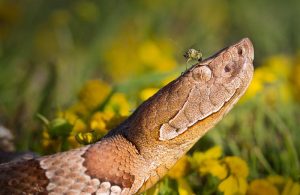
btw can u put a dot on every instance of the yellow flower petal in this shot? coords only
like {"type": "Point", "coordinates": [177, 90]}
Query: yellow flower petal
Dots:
{"type": "Point", "coordinates": [184, 187]}
{"type": "Point", "coordinates": [214, 167]}
{"type": "Point", "coordinates": [165, 64]}
{"type": "Point", "coordinates": [149, 52]}
{"type": "Point", "coordinates": [278, 65]}
{"type": "Point", "coordinates": [99, 120]}
{"type": "Point", "coordinates": [212, 153]}
{"type": "Point", "coordinates": [262, 187]}
{"type": "Point", "coordinates": [271, 79]}
{"type": "Point", "coordinates": [180, 168]}
{"type": "Point", "coordinates": [237, 166]}
{"type": "Point", "coordinates": [118, 104]}
{"type": "Point", "coordinates": [291, 188]}
{"type": "Point", "coordinates": [233, 185]}
{"type": "Point", "coordinates": [93, 93]}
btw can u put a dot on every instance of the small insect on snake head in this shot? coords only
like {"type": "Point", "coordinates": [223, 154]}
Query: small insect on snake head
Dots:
{"type": "Point", "coordinates": [193, 54]}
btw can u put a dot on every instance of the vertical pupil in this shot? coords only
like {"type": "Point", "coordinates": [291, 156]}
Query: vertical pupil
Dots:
{"type": "Point", "coordinates": [227, 68]}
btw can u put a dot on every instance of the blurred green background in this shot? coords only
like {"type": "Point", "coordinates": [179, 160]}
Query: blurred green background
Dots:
{"type": "Point", "coordinates": [50, 49]}
{"type": "Point", "coordinates": [64, 43]}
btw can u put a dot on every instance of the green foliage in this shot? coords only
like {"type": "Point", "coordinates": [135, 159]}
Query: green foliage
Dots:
{"type": "Point", "coordinates": [50, 49]}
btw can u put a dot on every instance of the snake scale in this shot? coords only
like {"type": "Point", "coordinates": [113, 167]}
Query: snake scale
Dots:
{"type": "Point", "coordinates": [139, 152]}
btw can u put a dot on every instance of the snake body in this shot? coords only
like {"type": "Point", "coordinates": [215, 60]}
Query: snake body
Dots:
{"type": "Point", "coordinates": [140, 151]}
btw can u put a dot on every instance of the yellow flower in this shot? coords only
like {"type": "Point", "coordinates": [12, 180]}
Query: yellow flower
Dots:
{"type": "Point", "coordinates": [271, 79]}
{"type": "Point", "coordinates": [46, 138]}
{"type": "Point", "coordinates": [233, 185]}
{"type": "Point", "coordinates": [165, 64]}
{"type": "Point", "coordinates": [72, 118]}
{"type": "Point", "coordinates": [212, 153]}
{"type": "Point", "coordinates": [149, 52]}
{"type": "Point", "coordinates": [184, 187]}
{"type": "Point", "coordinates": [98, 125]}
{"type": "Point", "coordinates": [237, 166]}
{"type": "Point", "coordinates": [236, 183]}
{"type": "Point", "coordinates": [49, 144]}
{"type": "Point", "coordinates": [208, 162]}
{"type": "Point", "coordinates": [214, 167]}
{"type": "Point", "coordinates": [262, 187]}
{"type": "Point", "coordinates": [148, 92]}
{"type": "Point", "coordinates": [123, 52]}
{"type": "Point", "coordinates": [278, 65]}
{"type": "Point", "coordinates": [262, 77]}
{"type": "Point", "coordinates": [78, 126]}
{"type": "Point", "coordinates": [118, 104]}
{"type": "Point", "coordinates": [180, 168]}
{"type": "Point", "coordinates": [255, 87]}
{"type": "Point", "coordinates": [93, 93]}
{"type": "Point", "coordinates": [99, 120]}
{"type": "Point", "coordinates": [291, 188]}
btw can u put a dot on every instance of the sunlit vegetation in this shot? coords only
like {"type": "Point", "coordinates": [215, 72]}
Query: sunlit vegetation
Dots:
{"type": "Point", "coordinates": [72, 71]}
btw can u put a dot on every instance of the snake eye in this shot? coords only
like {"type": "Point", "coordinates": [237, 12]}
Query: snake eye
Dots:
{"type": "Point", "coordinates": [227, 68]}
{"type": "Point", "coordinates": [202, 73]}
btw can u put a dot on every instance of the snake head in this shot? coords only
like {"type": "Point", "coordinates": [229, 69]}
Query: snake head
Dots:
{"type": "Point", "coordinates": [169, 123]}
{"type": "Point", "coordinates": [212, 83]}
{"type": "Point", "coordinates": [183, 111]}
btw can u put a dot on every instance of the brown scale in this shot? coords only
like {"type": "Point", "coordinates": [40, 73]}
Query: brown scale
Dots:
{"type": "Point", "coordinates": [23, 177]}
{"type": "Point", "coordinates": [112, 160]}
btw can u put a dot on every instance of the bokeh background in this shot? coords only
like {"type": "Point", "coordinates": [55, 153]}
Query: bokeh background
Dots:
{"type": "Point", "coordinates": [72, 70]}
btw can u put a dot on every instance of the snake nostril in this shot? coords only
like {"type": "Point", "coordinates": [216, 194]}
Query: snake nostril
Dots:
{"type": "Point", "coordinates": [240, 51]}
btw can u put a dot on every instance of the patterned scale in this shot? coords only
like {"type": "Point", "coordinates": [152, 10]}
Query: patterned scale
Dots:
{"type": "Point", "coordinates": [101, 169]}
{"type": "Point", "coordinates": [23, 177]}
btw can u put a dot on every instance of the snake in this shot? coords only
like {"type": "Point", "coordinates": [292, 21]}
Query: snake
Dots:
{"type": "Point", "coordinates": [134, 156]}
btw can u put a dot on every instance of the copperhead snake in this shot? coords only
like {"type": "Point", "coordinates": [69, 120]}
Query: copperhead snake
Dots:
{"type": "Point", "coordinates": [140, 151]}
